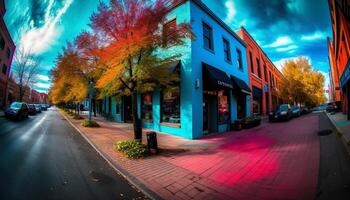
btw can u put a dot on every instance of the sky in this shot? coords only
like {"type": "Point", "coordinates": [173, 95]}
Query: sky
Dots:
{"type": "Point", "coordinates": [285, 29]}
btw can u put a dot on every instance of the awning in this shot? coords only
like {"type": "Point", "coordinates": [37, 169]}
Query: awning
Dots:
{"type": "Point", "coordinates": [214, 77]}
{"type": "Point", "coordinates": [240, 85]}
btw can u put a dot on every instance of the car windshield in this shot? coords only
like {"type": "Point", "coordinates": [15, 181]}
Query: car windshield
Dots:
{"type": "Point", "coordinates": [295, 107]}
{"type": "Point", "coordinates": [16, 105]}
{"type": "Point", "coordinates": [37, 106]}
{"type": "Point", "coordinates": [283, 107]}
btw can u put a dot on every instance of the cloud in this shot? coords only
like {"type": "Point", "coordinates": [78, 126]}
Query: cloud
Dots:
{"type": "Point", "coordinates": [231, 11]}
{"type": "Point", "coordinates": [280, 63]}
{"type": "Point", "coordinates": [315, 36]}
{"type": "Point", "coordinates": [43, 31]}
{"type": "Point", "coordinates": [42, 85]}
{"type": "Point", "coordinates": [280, 41]}
{"type": "Point", "coordinates": [43, 77]}
{"type": "Point", "coordinates": [288, 48]}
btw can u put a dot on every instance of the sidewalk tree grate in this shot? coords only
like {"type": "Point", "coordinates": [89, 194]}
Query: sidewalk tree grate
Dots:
{"type": "Point", "coordinates": [325, 132]}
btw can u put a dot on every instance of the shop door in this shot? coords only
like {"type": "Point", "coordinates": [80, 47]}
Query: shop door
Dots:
{"type": "Point", "coordinates": [127, 109]}
{"type": "Point", "coordinates": [241, 106]}
{"type": "Point", "coordinates": [210, 121]}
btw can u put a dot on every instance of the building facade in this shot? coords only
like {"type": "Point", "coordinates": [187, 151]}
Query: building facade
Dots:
{"type": "Point", "coordinates": [7, 49]}
{"type": "Point", "coordinates": [339, 53]}
{"type": "Point", "coordinates": [214, 84]}
{"type": "Point", "coordinates": [265, 78]}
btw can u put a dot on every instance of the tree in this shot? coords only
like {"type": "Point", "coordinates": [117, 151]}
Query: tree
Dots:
{"type": "Point", "coordinates": [130, 34]}
{"type": "Point", "coordinates": [302, 84]}
{"type": "Point", "coordinates": [25, 70]}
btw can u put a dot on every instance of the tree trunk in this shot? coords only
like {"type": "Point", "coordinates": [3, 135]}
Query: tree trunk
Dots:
{"type": "Point", "coordinates": [20, 94]}
{"type": "Point", "coordinates": [136, 119]}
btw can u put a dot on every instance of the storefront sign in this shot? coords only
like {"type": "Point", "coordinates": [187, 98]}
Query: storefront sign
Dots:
{"type": "Point", "coordinates": [266, 88]}
{"type": "Point", "coordinates": [346, 75]}
{"type": "Point", "coordinates": [224, 84]}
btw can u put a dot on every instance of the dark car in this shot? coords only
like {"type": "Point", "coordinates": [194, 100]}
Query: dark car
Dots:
{"type": "Point", "coordinates": [296, 111]}
{"type": "Point", "coordinates": [305, 110]}
{"type": "Point", "coordinates": [17, 110]}
{"type": "Point", "coordinates": [283, 112]}
{"type": "Point", "coordinates": [37, 108]}
{"type": "Point", "coordinates": [43, 107]}
{"type": "Point", "coordinates": [31, 109]}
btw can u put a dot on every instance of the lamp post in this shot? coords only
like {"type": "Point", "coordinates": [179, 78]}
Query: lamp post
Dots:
{"type": "Point", "coordinates": [91, 91]}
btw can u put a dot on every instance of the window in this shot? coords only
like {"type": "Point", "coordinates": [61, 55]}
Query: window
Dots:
{"type": "Point", "coordinates": [169, 31]}
{"type": "Point", "coordinates": [208, 37]}
{"type": "Point", "coordinates": [251, 62]}
{"type": "Point", "coordinates": [258, 67]}
{"type": "Point", "coordinates": [8, 52]}
{"type": "Point", "coordinates": [146, 106]}
{"type": "Point", "coordinates": [224, 111]}
{"type": "Point", "coordinates": [271, 84]}
{"type": "Point", "coordinates": [227, 50]}
{"type": "Point", "coordinates": [239, 59]}
{"type": "Point", "coordinates": [170, 105]}
{"type": "Point", "coordinates": [2, 42]}
{"type": "Point", "coordinates": [265, 74]}
{"type": "Point", "coordinates": [4, 69]}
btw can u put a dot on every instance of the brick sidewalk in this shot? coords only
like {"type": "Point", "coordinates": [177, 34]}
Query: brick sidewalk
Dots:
{"type": "Point", "coordinates": [273, 161]}
{"type": "Point", "coordinates": [342, 125]}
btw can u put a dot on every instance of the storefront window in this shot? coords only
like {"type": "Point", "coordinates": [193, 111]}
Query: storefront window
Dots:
{"type": "Point", "coordinates": [256, 106]}
{"type": "Point", "coordinates": [170, 110]}
{"type": "Point", "coordinates": [224, 111]}
{"type": "Point", "coordinates": [147, 107]}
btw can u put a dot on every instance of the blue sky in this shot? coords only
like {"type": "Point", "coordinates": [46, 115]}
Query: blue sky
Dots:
{"type": "Point", "coordinates": [285, 29]}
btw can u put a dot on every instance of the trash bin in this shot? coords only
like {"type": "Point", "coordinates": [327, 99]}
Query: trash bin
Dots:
{"type": "Point", "coordinates": [152, 141]}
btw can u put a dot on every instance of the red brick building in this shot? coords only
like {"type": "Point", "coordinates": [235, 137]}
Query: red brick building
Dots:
{"type": "Point", "coordinates": [265, 78]}
{"type": "Point", "coordinates": [7, 48]}
{"type": "Point", "coordinates": [339, 53]}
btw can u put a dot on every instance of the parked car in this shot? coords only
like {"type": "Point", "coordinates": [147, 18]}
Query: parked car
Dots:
{"type": "Point", "coordinates": [31, 109]}
{"type": "Point", "coordinates": [43, 107]}
{"type": "Point", "coordinates": [320, 108]}
{"type": "Point", "coordinates": [283, 112]}
{"type": "Point", "coordinates": [17, 110]}
{"type": "Point", "coordinates": [38, 108]}
{"type": "Point", "coordinates": [296, 111]}
{"type": "Point", "coordinates": [305, 110]}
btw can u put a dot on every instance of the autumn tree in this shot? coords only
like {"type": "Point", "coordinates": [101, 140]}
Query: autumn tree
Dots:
{"type": "Point", "coordinates": [130, 34]}
{"type": "Point", "coordinates": [302, 84]}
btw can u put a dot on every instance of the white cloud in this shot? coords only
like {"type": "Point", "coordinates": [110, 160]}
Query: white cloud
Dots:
{"type": "Point", "coordinates": [315, 36]}
{"type": "Point", "coordinates": [39, 39]}
{"type": "Point", "coordinates": [43, 77]}
{"type": "Point", "coordinates": [42, 85]}
{"type": "Point", "coordinates": [280, 63]}
{"type": "Point", "coordinates": [288, 48]}
{"type": "Point", "coordinates": [231, 11]}
{"type": "Point", "coordinates": [280, 41]}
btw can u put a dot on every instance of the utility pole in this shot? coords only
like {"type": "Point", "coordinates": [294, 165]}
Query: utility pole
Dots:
{"type": "Point", "coordinates": [91, 90]}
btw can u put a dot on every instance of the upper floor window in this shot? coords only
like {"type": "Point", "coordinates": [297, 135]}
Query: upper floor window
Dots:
{"type": "Point", "coordinates": [4, 69]}
{"type": "Point", "coordinates": [169, 31]}
{"type": "Point", "coordinates": [258, 67]}
{"type": "Point", "coordinates": [8, 52]}
{"type": "Point", "coordinates": [239, 59]}
{"type": "Point", "coordinates": [2, 42]}
{"type": "Point", "coordinates": [265, 73]}
{"type": "Point", "coordinates": [208, 37]}
{"type": "Point", "coordinates": [251, 62]}
{"type": "Point", "coordinates": [227, 50]}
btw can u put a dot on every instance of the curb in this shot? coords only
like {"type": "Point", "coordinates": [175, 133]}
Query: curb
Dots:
{"type": "Point", "coordinates": [131, 179]}
{"type": "Point", "coordinates": [347, 147]}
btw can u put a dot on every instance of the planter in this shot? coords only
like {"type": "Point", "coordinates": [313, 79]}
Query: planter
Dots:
{"type": "Point", "coordinates": [251, 122]}
{"type": "Point", "coordinates": [236, 125]}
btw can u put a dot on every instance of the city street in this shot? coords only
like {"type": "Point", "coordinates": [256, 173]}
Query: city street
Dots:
{"type": "Point", "coordinates": [43, 157]}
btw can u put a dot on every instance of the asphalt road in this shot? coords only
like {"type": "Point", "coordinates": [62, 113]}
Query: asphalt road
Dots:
{"type": "Point", "coordinates": [43, 157]}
